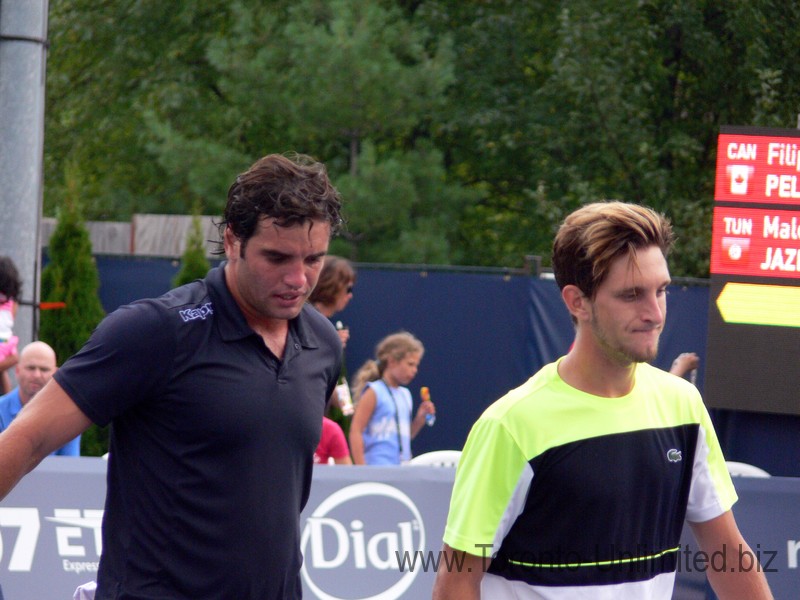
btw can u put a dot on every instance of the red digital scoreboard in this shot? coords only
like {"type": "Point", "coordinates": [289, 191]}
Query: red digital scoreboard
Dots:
{"type": "Point", "coordinates": [753, 353]}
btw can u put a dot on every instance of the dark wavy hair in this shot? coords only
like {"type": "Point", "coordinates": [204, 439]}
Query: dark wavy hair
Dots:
{"type": "Point", "coordinates": [10, 283]}
{"type": "Point", "coordinates": [292, 189]}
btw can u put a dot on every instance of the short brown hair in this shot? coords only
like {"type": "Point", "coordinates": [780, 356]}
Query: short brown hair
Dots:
{"type": "Point", "coordinates": [337, 273]}
{"type": "Point", "coordinates": [593, 236]}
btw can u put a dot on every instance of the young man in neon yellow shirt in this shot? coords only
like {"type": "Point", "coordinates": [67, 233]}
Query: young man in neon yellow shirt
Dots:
{"type": "Point", "coordinates": [577, 483]}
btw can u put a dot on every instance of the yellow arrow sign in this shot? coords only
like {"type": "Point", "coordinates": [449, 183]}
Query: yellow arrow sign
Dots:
{"type": "Point", "coordinates": [756, 304]}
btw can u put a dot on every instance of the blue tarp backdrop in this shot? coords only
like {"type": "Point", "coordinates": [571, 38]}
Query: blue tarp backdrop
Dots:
{"type": "Point", "coordinates": [485, 333]}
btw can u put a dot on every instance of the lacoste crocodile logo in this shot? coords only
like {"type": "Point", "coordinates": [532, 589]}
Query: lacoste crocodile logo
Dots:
{"type": "Point", "coordinates": [674, 455]}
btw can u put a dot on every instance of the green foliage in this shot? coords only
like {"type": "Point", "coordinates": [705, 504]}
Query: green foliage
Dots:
{"type": "Point", "coordinates": [461, 132]}
{"type": "Point", "coordinates": [321, 77]}
{"type": "Point", "coordinates": [401, 208]}
{"type": "Point", "coordinates": [71, 277]}
{"type": "Point", "coordinates": [110, 65]}
{"type": "Point", "coordinates": [493, 125]}
{"type": "Point", "coordinates": [625, 80]}
{"type": "Point", "coordinates": [94, 441]}
{"type": "Point", "coordinates": [559, 104]}
{"type": "Point", "coordinates": [194, 264]}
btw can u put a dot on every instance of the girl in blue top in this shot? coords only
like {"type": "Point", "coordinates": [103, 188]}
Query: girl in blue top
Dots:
{"type": "Point", "coordinates": [382, 428]}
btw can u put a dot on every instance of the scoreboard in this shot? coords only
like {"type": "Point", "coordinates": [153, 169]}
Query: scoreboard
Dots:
{"type": "Point", "coordinates": [753, 352]}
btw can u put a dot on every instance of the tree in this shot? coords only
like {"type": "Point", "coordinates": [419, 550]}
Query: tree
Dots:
{"type": "Point", "coordinates": [637, 95]}
{"type": "Point", "coordinates": [111, 66]}
{"type": "Point", "coordinates": [490, 130]}
{"type": "Point", "coordinates": [71, 277]}
{"type": "Point", "coordinates": [353, 84]}
{"type": "Point", "coordinates": [401, 208]}
{"type": "Point", "coordinates": [528, 109]}
{"type": "Point", "coordinates": [626, 92]}
{"type": "Point", "coordinates": [185, 96]}
{"type": "Point", "coordinates": [194, 264]}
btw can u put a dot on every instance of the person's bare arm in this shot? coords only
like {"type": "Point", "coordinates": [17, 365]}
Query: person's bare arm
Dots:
{"type": "Point", "coordinates": [361, 417]}
{"type": "Point", "coordinates": [5, 367]}
{"type": "Point", "coordinates": [741, 577]}
{"type": "Point", "coordinates": [459, 577]}
{"type": "Point", "coordinates": [5, 383]}
{"type": "Point", "coordinates": [8, 362]}
{"type": "Point", "coordinates": [425, 408]}
{"type": "Point", "coordinates": [46, 423]}
{"type": "Point", "coordinates": [683, 363]}
{"type": "Point", "coordinates": [344, 460]}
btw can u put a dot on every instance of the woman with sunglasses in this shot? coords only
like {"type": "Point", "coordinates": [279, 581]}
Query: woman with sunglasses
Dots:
{"type": "Point", "coordinates": [333, 292]}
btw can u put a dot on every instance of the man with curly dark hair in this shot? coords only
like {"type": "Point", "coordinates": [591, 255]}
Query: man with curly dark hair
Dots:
{"type": "Point", "coordinates": [215, 393]}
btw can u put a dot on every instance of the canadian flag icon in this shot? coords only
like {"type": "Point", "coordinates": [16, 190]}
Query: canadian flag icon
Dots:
{"type": "Point", "coordinates": [739, 174]}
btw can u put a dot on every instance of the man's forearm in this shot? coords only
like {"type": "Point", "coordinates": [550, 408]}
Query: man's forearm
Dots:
{"type": "Point", "coordinates": [460, 577]}
{"type": "Point", "coordinates": [743, 577]}
{"type": "Point", "coordinates": [17, 458]}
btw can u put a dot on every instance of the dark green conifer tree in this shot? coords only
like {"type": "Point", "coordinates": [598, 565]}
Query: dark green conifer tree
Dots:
{"type": "Point", "coordinates": [71, 277]}
{"type": "Point", "coordinates": [194, 264]}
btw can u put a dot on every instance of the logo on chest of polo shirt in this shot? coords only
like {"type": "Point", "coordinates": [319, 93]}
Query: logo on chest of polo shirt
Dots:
{"type": "Point", "coordinates": [674, 455]}
{"type": "Point", "coordinates": [198, 312]}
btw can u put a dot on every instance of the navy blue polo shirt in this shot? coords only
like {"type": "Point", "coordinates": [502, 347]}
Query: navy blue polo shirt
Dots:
{"type": "Point", "coordinates": [212, 443]}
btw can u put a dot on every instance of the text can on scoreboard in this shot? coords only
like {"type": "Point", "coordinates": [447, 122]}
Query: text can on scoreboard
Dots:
{"type": "Point", "coordinates": [753, 353]}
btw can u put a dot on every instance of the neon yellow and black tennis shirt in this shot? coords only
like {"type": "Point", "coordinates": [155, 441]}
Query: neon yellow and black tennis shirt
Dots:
{"type": "Point", "coordinates": [573, 494]}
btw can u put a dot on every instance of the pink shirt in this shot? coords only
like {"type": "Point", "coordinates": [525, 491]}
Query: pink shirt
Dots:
{"type": "Point", "coordinates": [6, 319]}
{"type": "Point", "coordinates": [332, 444]}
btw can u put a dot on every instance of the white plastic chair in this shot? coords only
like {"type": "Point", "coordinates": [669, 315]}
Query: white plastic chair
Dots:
{"type": "Point", "coordinates": [437, 458]}
{"type": "Point", "coordinates": [740, 469]}
{"type": "Point", "coordinates": [85, 591]}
